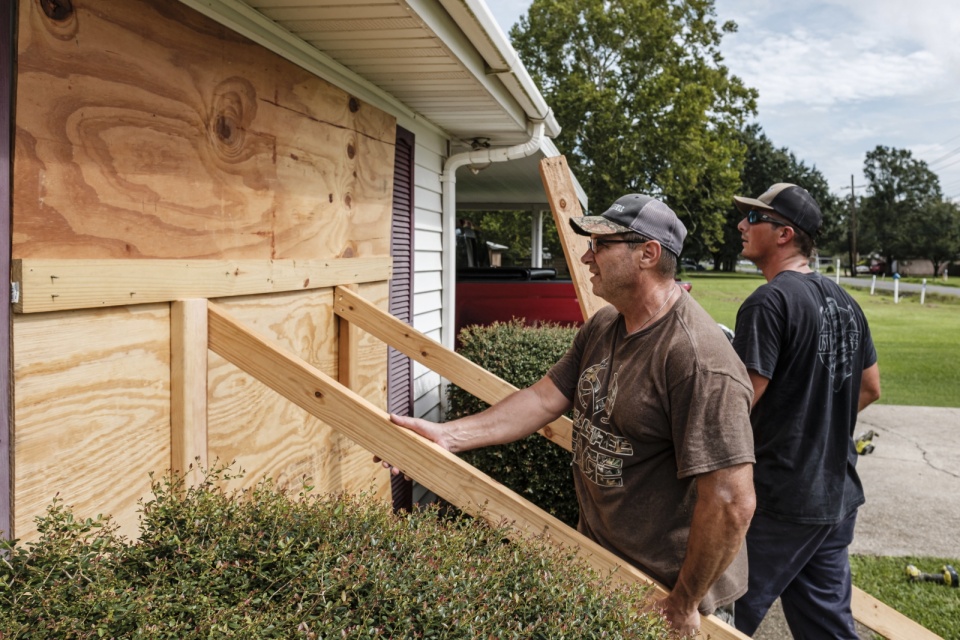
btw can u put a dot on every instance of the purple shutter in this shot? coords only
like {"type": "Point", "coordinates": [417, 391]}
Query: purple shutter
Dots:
{"type": "Point", "coordinates": [399, 366]}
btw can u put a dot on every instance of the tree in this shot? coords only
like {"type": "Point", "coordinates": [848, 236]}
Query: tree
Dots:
{"type": "Point", "coordinates": [765, 165]}
{"type": "Point", "coordinates": [901, 190]}
{"type": "Point", "coordinates": [938, 234]}
{"type": "Point", "coordinates": [644, 100]}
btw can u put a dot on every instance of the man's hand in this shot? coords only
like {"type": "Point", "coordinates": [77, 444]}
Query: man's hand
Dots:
{"type": "Point", "coordinates": [427, 429]}
{"type": "Point", "coordinates": [683, 620]}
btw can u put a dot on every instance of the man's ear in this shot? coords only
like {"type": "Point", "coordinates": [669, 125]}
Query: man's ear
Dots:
{"type": "Point", "coordinates": [786, 235]}
{"type": "Point", "coordinates": [651, 252]}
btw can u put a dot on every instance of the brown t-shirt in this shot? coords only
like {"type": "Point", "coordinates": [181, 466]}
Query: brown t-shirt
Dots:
{"type": "Point", "coordinates": [653, 410]}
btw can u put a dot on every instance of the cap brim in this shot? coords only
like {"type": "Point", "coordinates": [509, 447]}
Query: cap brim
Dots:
{"type": "Point", "coordinates": [746, 204]}
{"type": "Point", "coordinates": [596, 226]}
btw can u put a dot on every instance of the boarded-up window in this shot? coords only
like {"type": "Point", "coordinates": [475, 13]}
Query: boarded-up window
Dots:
{"type": "Point", "coordinates": [400, 368]}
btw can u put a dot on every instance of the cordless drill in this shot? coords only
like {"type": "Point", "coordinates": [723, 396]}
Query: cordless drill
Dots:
{"type": "Point", "coordinates": [947, 576]}
{"type": "Point", "coordinates": [864, 442]}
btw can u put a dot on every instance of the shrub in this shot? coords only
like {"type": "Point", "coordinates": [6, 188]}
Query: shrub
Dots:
{"type": "Point", "coordinates": [261, 564]}
{"type": "Point", "coordinates": [534, 467]}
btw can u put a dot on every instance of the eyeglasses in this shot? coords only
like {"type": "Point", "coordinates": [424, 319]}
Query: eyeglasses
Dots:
{"type": "Point", "coordinates": [596, 243]}
{"type": "Point", "coordinates": [755, 217]}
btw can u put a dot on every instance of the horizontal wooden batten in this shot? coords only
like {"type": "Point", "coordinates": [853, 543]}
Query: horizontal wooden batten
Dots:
{"type": "Point", "coordinates": [43, 285]}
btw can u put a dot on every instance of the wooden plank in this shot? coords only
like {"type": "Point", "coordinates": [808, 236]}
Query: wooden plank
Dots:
{"type": "Point", "coordinates": [146, 130]}
{"type": "Point", "coordinates": [886, 620]}
{"type": "Point", "coordinates": [269, 437]}
{"type": "Point", "coordinates": [347, 352]}
{"type": "Point", "coordinates": [92, 411]}
{"type": "Point", "coordinates": [465, 374]}
{"type": "Point", "coordinates": [424, 461]}
{"type": "Point", "coordinates": [56, 285]}
{"type": "Point", "coordinates": [188, 389]}
{"type": "Point", "coordinates": [564, 205]}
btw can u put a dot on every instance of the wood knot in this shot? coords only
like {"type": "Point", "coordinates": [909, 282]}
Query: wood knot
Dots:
{"type": "Point", "coordinates": [563, 203]}
{"type": "Point", "coordinates": [351, 151]}
{"type": "Point", "coordinates": [58, 10]}
{"type": "Point", "coordinates": [354, 105]}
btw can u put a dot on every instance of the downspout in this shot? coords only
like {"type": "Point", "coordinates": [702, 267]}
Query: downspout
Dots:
{"type": "Point", "coordinates": [448, 182]}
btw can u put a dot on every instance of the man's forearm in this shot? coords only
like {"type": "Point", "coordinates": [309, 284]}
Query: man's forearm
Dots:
{"type": "Point", "coordinates": [516, 416]}
{"type": "Point", "coordinates": [725, 505]}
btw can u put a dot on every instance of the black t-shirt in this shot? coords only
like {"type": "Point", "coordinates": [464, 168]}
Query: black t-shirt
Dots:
{"type": "Point", "coordinates": [811, 340]}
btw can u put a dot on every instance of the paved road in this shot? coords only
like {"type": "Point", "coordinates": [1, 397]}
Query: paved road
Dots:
{"type": "Point", "coordinates": [886, 284]}
{"type": "Point", "coordinates": [912, 483]}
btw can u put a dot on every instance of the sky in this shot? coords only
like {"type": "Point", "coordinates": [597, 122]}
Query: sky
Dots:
{"type": "Point", "coordinates": [839, 77]}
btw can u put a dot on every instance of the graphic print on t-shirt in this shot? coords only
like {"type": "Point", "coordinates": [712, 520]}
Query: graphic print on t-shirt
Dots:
{"type": "Point", "coordinates": [598, 452]}
{"type": "Point", "coordinates": [839, 341]}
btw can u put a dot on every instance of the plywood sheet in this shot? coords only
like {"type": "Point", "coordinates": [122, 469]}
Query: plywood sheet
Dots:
{"type": "Point", "coordinates": [146, 130]}
{"type": "Point", "coordinates": [91, 411]}
{"type": "Point", "coordinates": [265, 434]}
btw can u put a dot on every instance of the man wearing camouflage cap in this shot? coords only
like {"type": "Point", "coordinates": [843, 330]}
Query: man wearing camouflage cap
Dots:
{"type": "Point", "coordinates": [662, 448]}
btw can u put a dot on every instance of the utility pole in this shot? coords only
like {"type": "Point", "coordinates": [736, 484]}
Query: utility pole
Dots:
{"type": "Point", "coordinates": [854, 256]}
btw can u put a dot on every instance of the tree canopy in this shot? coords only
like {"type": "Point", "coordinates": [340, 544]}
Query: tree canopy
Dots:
{"type": "Point", "coordinates": [904, 213]}
{"type": "Point", "coordinates": [645, 102]}
{"type": "Point", "coordinates": [765, 165]}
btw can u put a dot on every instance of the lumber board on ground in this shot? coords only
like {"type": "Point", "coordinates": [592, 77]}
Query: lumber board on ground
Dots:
{"type": "Point", "coordinates": [465, 374]}
{"type": "Point", "coordinates": [147, 130]}
{"type": "Point", "coordinates": [57, 285]}
{"type": "Point", "coordinates": [886, 620]}
{"type": "Point", "coordinates": [558, 185]}
{"type": "Point", "coordinates": [188, 389]}
{"type": "Point", "coordinates": [424, 461]}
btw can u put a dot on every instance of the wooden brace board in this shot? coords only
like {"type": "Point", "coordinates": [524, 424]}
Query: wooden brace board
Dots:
{"type": "Point", "coordinates": [57, 285]}
{"type": "Point", "coordinates": [422, 460]}
{"type": "Point", "coordinates": [564, 204]}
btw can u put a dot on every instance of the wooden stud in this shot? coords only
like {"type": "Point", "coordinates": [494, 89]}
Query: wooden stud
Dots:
{"type": "Point", "coordinates": [465, 374]}
{"type": "Point", "coordinates": [188, 388]}
{"type": "Point", "coordinates": [55, 285]}
{"type": "Point", "coordinates": [347, 349]}
{"type": "Point", "coordinates": [424, 461]}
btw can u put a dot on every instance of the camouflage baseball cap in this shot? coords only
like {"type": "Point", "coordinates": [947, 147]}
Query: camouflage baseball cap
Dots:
{"type": "Point", "coordinates": [638, 214]}
{"type": "Point", "coordinates": [790, 201]}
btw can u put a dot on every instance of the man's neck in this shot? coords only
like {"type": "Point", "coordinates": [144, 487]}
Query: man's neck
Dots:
{"type": "Point", "coordinates": [779, 263]}
{"type": "Point", "coordinates": [654, 303]}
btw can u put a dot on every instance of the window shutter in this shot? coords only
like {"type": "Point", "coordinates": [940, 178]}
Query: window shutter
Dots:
{"type": "Point", "coordinates": [399, 366]}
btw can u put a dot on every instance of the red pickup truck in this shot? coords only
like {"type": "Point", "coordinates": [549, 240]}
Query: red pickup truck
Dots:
{"type": "Point", "coordinates": [489, 294]}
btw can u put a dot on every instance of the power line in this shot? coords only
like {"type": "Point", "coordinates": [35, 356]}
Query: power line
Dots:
{"type": "Point", "coordinates": [949, 154]}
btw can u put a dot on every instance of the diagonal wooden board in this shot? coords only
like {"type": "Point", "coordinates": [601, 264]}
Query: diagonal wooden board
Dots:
{"type": "Point", "coordinates": [564, 204]}
{"type": "Point", "coordinates": [429, 464]}
{"type": "Point", "coordinates": [467, 375]}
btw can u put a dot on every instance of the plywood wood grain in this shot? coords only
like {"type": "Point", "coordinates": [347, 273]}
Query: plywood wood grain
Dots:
{"type": "Point", "coordinates": [267, 435]}
{"type": "Point", "coordinates": [91, 411]}
{"type": "Point", "coordinates": [145, 130]}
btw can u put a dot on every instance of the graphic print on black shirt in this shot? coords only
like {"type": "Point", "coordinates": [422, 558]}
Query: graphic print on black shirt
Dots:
{"type": "Point", "coordinates": [596, 451]}
{"type": "Point", "coordinates": [839, 341]}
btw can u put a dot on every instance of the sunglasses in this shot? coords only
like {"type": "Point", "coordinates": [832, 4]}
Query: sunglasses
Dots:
{"type": "Point", "coordinates": [755, 217]}
{"type": "Point", "coordinates": [596, 243]}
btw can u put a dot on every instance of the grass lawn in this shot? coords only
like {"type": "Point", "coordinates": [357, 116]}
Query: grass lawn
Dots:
{"type": "Point", "coordinates": [918, 346]}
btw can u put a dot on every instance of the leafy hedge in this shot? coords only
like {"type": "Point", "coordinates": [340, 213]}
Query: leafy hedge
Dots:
{"type": "Point", "coordinates": [262, 564]}
{"type": "Point", "coordinates": [534, 467]}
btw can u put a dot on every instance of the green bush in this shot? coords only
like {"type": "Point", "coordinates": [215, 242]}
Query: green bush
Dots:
{"type": "Point", "coordinates": [263, 564]}
{"type": "Point", "coordinates": [534, 467]}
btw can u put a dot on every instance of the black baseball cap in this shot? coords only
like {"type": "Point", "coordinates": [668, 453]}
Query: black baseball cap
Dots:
{"type": "Point", "coordinates": [637, 214]}
{"type": "Point", "coordinates": [790, 201]}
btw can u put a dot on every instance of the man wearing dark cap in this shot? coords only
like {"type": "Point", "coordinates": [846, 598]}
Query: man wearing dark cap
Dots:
{"type": "Point", "coordinates": [807, 347]}
{"type": "Point", "coordinates": [662, 446]}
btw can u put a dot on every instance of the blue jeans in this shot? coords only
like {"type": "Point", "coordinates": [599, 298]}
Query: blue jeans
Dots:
{"type": "Point", "coordinates": [808, 568]}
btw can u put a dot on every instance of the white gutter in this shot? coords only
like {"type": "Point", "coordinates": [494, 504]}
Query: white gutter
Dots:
{"type": "Point", "coordinates": [481, 28]}
{"type": "Point", "coordinates": [449, 186]}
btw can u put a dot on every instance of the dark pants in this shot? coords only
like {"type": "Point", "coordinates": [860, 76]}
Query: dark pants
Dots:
{"type": "Point", "coordinates": [808, 568]}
